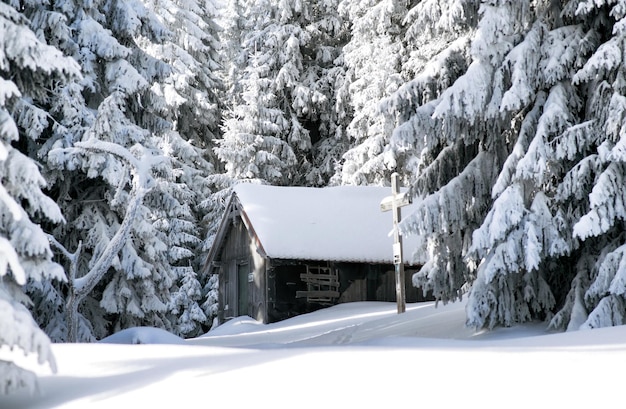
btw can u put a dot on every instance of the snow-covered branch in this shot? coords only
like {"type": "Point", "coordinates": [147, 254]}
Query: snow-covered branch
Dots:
{"type": "Point", "coordinates": [141, 167]}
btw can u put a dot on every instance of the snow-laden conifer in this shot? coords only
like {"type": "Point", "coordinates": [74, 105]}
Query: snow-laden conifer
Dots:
{"type": "Point", "coordinates": [439, 153]}
{"type": "Point", "coordinates": [30, 71]}
{"type": "Point", "coordinates": [281, 129]}
{"type": "Point", "coordinates": [479, 144]}
{"type": "Point", "coordinates": [128, 99]}
{"type": "Point", "coordinates": [595, 180]}
{"type": "Point", "coordinates": [254, 143]}
{"type": "Point", "coordinates": [553, 224]}
{"type": "Point", "coordinates": [372, 63]}
{"type": "Point", "coordinates": [189, 95]}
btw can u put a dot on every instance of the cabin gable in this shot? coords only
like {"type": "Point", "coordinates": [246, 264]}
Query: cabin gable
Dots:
{"type": "Point", "coordinates": [241, 269]}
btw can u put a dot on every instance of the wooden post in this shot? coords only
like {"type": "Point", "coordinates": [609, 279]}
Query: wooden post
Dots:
{"type": "Point", "coordinates": [395, 203]}
{"type": "Point", "coordinates": [398, 260]}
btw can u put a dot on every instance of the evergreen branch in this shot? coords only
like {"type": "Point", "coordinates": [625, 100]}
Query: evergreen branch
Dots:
{"type": "Point", "coordinates": [142, 183]}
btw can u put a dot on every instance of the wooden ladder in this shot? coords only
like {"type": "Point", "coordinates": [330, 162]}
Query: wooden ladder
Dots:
{"type": "Point", "coordinates": [322, 285]}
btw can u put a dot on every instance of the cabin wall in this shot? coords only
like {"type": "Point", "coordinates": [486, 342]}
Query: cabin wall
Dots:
{"type": "Point", "coordinates": [242, 276]}
{"type": "Point", "coordinates": [386, 289]}
{"type": "Point", "coordinates": [374, 282]}
{"type": "Point", "coordinates": [357, 282]}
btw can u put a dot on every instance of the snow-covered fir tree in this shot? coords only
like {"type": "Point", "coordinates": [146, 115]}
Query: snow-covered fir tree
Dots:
{"type": "Point", "coordinates": [253, 145]}
{"type": "Point", "coordinates": [124, 99]}
{"type": "Point", "coordinates": [592, 152]}
{"type": "Point", "coordinates": [323, 107]}
{"type": "Point", "coordinates": [111, 91]}
{"type": "Point", "coordinates": [372, 62]}
{"type": "Point", "coordinates": [235, 26]}
{"type": "Point", "coordinates": [516, 161]}
{"type": "Point", "coordinates": [30, 72]}
{"type": "Point", "coordinates": [440, 143]}
{"type": "Point", "coordinates": [562, 168]}
{"type": "Point", "coordinates": [62, 114]}
{"type": "Point", "coordinates": [512, 249]}
{"type": "Point", "coordinates": [191, 93]}
{"type": "Point", "coordinates": [275, 132]}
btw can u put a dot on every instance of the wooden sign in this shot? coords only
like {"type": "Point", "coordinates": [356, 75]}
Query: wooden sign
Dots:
{"type": "Point", "coordinates": [401, 200]}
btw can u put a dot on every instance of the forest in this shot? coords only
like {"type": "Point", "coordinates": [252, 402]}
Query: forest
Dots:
{"type": "Point", "coordinates": [125, 123]}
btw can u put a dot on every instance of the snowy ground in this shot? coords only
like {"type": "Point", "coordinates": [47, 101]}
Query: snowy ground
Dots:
{"type": "Point", "coordinates": [359, 355]}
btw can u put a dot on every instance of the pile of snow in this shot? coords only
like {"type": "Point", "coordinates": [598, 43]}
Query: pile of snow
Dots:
{"type": "Point", "coordinates": [351, 355]}
{"type": "Point", "coordinates": [143, 335]}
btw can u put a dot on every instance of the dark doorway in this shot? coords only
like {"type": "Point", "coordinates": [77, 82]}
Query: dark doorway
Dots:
{"type": "Point", "coordinates": [243, 269]}
{"type": "Point", "coordinates": [287, 283]}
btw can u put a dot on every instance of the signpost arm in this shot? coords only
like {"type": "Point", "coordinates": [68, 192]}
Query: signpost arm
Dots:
{"type": "Point", "coordinates": [397, 245]}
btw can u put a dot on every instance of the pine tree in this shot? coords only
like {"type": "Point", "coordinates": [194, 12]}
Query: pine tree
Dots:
{"type": "Point", "coordinates": [30, 71]}
{"type": "Point", "coordinates": [322, 107]}
{"type": "Point", "coordinates": [572, 240]}
{"type": "Point", "coordinates": [592, 185]}
{"type": "Point", "coordinates": [527, 139]}
{"type": "Point", "coordinates": [211, 303]}
{"type": "Point", "coordinates": [70, 118]}
{"type": "Point", "coordinates": [235, 26]}
{"type": "Point", "coordinates": [253, 145]}
{"type": "Point", "coordinates": [121, 48]}
{"type": "Point", "coordinates": [439, 144]}
{"type": "Point", "coordinates": [372, 62]}
{"type": "Point", "coordinates": [191, 94]}
{"type": "Point", "coordinates": [520, 233]}
{"type": "Point", "coordinates": [277, 131]}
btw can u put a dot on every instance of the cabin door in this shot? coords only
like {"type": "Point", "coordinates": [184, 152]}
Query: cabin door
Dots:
{"type": "Point", "coordinates": [243, 269]}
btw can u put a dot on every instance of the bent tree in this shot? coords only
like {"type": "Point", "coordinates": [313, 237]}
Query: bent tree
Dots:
{"type": "Point", "coordinates": [142, 183]}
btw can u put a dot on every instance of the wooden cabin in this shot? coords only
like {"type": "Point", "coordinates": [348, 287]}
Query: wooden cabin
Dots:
{"type": "Point", "coordinates": [283, 251]}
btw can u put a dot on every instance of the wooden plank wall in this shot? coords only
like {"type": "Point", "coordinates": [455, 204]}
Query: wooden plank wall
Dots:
{"type": "Point", "coordinates": [373, 282]}
{"type": "Point", "coordinates": [238, 253]}
{"type": "Point", "coordinates": [257, 308]}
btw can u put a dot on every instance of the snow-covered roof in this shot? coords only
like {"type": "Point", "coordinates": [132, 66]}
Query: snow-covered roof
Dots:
{"type": "Point", "coordinates": [342, 223]}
